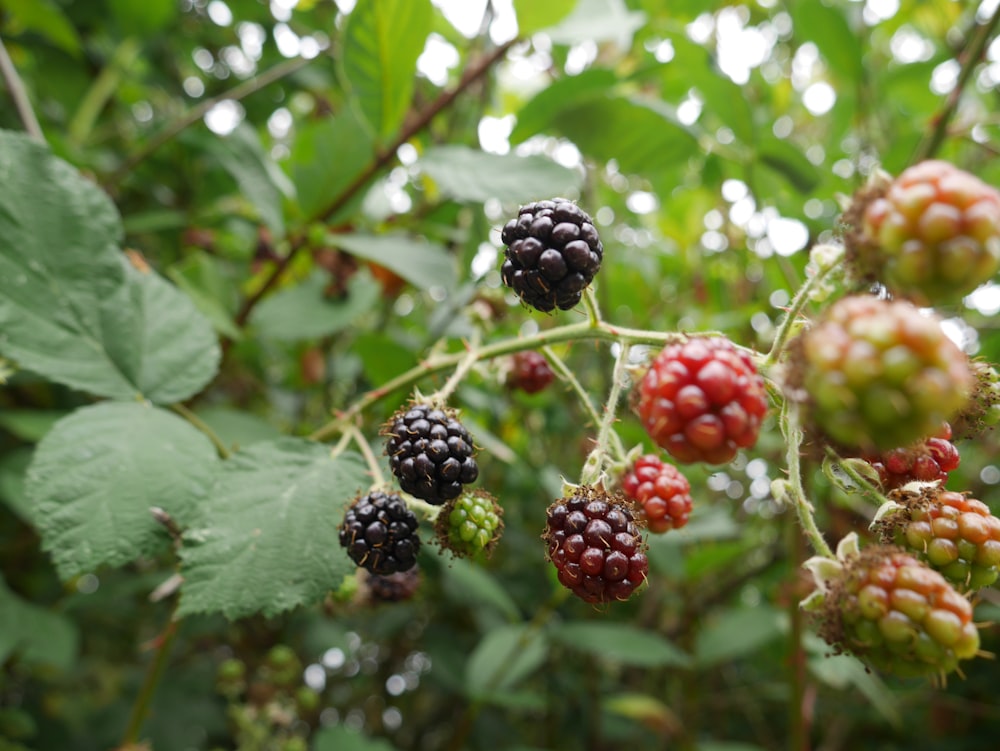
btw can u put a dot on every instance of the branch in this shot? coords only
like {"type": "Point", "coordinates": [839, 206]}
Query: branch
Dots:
{"type": "Point", "coordinates": [19, 95]}
{"type": "Point", "coordinates": [381, 160]}
{"type": "Point", "coordinates": [971, 55]}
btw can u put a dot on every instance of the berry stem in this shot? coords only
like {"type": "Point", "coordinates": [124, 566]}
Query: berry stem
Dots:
{"type": "Point", "coordinates": [605, 431]}
{"type": "Point", "coordinates": [601, 331]}
{"type": "Point", "coordinates": [154, 672]}
{"type": "Point", "coordinates": [792, 430]}
{"type": "Point", "coordinates": [592, 306]}
{"type": "Point", "coordinates": [794, 309]}
{"type": "Point", "coordinates": [442, 395]}
{"type": "Point", "coordinates": [366, 451]}
{"type": "Point", "coordinates": [15, 87]}
{"type": "Point", "coordinates": [192, 418]}
{"type": "Point", "coordinates": [427, 510]}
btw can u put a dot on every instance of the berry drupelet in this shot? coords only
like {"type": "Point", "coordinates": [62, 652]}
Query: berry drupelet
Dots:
{"type": "Point", "coordinates": [662, 492]}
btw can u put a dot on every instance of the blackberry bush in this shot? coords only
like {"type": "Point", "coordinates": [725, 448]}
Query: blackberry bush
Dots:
{"type": "Point", "coordinates": [430, 453]}
{"type": "Point", "coordinates": [553, 252]}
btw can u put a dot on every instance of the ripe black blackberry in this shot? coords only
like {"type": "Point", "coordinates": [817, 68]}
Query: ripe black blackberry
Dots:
{"type": "Point", "coordinates": [553, 252]}
{"type": "Point", "coordinates": [430, 453]}
{"type": "Point", "coordinates": [380, 533]}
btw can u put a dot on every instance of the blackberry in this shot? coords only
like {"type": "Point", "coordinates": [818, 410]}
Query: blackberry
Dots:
{"type": "Point", "coordinates": [553, 252]}
{"type": "Point", "coordinates": [396, 587]}
{"type": "Point", "coordinates": [595, 545]}
{"type": "Point", "coordinates": [380, 533]}
{"type": "Point", "coordinates": [470, 524]}
{"type": "Point", "coordinates": [530, 372]}
{"type": "Point", "coordinates": [430, 453]}
{"type": "Point", "coordinates": [930, 460]}
{"type": "Point", "coordinates": [662, 491]}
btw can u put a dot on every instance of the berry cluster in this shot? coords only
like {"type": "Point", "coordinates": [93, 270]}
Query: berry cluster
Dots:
{"type": "Point", "coordinates": [702, 400]}
{"type": "Point", "coordinates": [662, 492]}
{"type": "Point", "coordinates": [932, 234]}
{"type": "Point", "coordinates": [956, 535]}
{"type": "Point", "coordinates": [470, 524]}
{"type": "Point", "coordinates": [553, 252]}
{"type": "Point", "coordinates": [897, 615]}
{"type": "Point", "coordinates": [880, 374]}
{"type": "Point", "coordinates": [595, 545]}
{"type": "Point", "coordinates": [430, 453]}
{"type": "Point", "coordinates": [927, 461]}
{"type": "Point", "coordinates": [380, 533]}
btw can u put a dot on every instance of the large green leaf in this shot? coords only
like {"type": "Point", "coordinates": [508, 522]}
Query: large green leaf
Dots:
{"type": "Point", "coordinates": [474, 586]}
{"type": "Point", "coordinates": [304, 312]}
{"type": "Point", "coordinates": [267, 539]}
{"type": "Point", "coordinates": [828, 28]}
{"type": "Point", "coordinates": [44, 17]}
{"type": "Point", "coordinates": [422, 263]}
{"type": "Point", "coordinates": [96, 474]}
{"type": "Point", "coordinates": [71, 308]}
{"type": "Point", "coordinates": [736, 633]}
{"type": "Point", "coordinates": [620, 642]}
{"type": "Point", "coordinates": [382, 42]}
{"type": "Point", "coordinates": [466, 174]}
{"type": "Point", "coordinates": [34, 634]}
{"type": "Point", "coordinates": [504, 657]}
{"type": "Point", "coordinates": [564, 93]}
{"type": "Point", "coordinates": [533, 15]}
{"type": "Point", "coordinates": [327, 156]}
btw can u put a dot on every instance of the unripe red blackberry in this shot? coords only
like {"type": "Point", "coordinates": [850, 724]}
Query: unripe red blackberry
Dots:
{"type": "Point", "coordinates": [530, 372]}
{"type": "Point", "coordinates": [596, 546]}
{"type": "Point", "coordinates": [897, 615]}
{"type": "Point", "coordinates": [932, 234]}
{"type": "Point", "coordinates": [662, 492]}
{"type": "Point", "coordinates": [470, 524]}
{"type": "Point", "coordinates": [430, 453]}
{"type": "Point", "coordinates": [553, 252]}
{"type": "Point", "coordinates": [380, 533]}
{"type": "Point", "coordinates": [954, 534]}
{"type": "Point", "coordinates": [928, 461]}
{"type": "Point", "coordinates": [982, 412]}
{"type": "Point", "coordinates": [879, 374]}
{"type": "Point", "coordinates": [702, 400]}
{"type": "Point", "coordinates": [396, 587]}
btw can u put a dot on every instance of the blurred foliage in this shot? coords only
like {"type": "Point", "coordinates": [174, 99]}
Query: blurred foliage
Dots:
{"type": "Point", "coordinates": [302, 174]}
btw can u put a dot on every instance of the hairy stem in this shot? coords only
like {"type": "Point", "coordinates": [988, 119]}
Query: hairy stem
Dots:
{"type": "Point", "coordinates": [204, 427]}
{"type": "Point", "coordinates": [610, 412]}
{"type": "Point", "coordinates": [19, 95]}
{"type": "Point", "coordinates": [154, 672]}
{"type": "Point", "coordinates": [792, 430]}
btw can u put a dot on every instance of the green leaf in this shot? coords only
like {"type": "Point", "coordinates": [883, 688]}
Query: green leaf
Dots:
{"type": "Point", "coordinates": [265, 186]}
{"type": "Point", "coordinates": [267, 539]}
{"type": "Point", "coordinates": [45, 18]}
{"type": "Point", "coordinates": [237, 428]}
{"type": "Point", "coordinates": [465, 174]}
{"type": "Point", "coordinates": [598, 21]}
{"type": "Point", "coordinates": [843, 671]}
{"type": "Point", "coordinates": [303, 311]}
{"type": "Point", "coordinates": [143, 19]}
{"type": "Point", "coordinates": [36, 635]}
{"type": "Point", "coordinates": [473, 586]}
{"type": "Point", "coordinates": [201, 277]}
{"type": "Point", "coordinates": [342, 738]}
{"type": "Point", "coordinates": [422, 263]}
{"type": "Point", "coordinates": [30, 424]}
{"type": "Point", "coordinates": [382, 357]}
{"type": "Point", "coordinates": [736, 633]}
{"type": "Point", "coordinates": [533, 15]}
{"type": "Point", "coordinates": [327, 157]}
{"type": "Point", "coordinates": [788, 160]}
{"type": "Point", "coordinates": [13, 468]}
{"type": "Point", "coordinates": [504, 657]}
{"type": "Point", "coordinates": [828, 28]}
{"type": "Point", "coordinates": [564, 93]}
{"type": "Point", "coordinates": [71, 308]}
{"type": "Point", "coordinates": [96, 474]}
{"type": "Point", "coordinates": [620, 642]}
{"type": "Point", "coordinates": [644, 137]}
{"type": "Point", "coordinates": [382, 42]}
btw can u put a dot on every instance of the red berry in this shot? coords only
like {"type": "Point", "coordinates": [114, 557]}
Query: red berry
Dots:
{"type": "Point", "coordinates": [702, 400]}
{"type": "Point", "coordinates": [595, 545]}
{"type": "Point", "coordinates": [927, 461]}
{"type": "Point", "coordinates": [932, 234]}
{"type": "Point", "coordinates": [662, 491]}
{"type": "Point", "coordinates": [530, 372]}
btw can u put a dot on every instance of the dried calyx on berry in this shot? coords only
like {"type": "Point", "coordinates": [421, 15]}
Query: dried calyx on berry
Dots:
{"type": "Point", "coordinates": [430, 452]}
{"type": "Point", "coordinates": [553, 252]}
{"type": "Point", "coordinates": [891, 611]}
{"type": "Point", "coordinates": [932, 234]}
{"type": "Point", "coordinates": [951, 532]}
{"type": "Point", "coordinates": [380, 533]}
{"type": "Point", "coordinates": [595, 544]}
{"type": "Point", "coordinates": [662, 492]}
{"type": "Point", "coordinates": [470, 524]}
{"type": "Point", "coordinates": [982, 412]}
{"type": "Point", "coordinates": [877, 374]}
{"type": "Point", "coordinates": [929, 460]}
{"type": "Point", "coordinates": [702, 400]}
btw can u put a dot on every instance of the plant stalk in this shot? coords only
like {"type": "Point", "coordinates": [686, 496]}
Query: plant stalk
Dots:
{"type": "Point", "coordinates": [19, 95]}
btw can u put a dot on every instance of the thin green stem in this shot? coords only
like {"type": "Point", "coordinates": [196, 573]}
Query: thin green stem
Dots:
{"type": "Point", "coordinates": [610, 413]}
{"type": "Point", "coordinates": [593, 309]}
{"type": "Point", "coordinates": [568, 333]}
{"type": "Point", "coordinates": [203, 426]}
{"type": "Point", "coordinates": [792, 431]}
{"type": "Point", "coordinates": [442, 395]}
{"type": "Point", "coordinates": [795, 308]}
{"type": "Point", "coordinates": [366, 451]}
{"type": "Point", "coordinates": [19, 95]}
{"type": "Point", "coordinates": [865, 486]}
{"type": "Point", "coordinates": [154, 672]}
